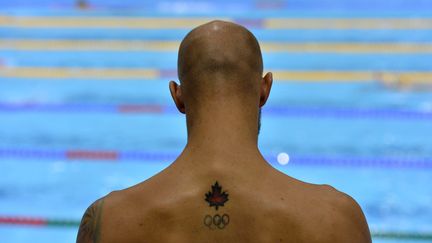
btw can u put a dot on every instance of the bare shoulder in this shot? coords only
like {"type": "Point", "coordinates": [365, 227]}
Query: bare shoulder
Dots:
{"type": "Point", "coordinates": [104, 213]}
{"type": "Point", "coordinates": [346, 217]}
{"type": "Point", "coordinates": [89, 229]}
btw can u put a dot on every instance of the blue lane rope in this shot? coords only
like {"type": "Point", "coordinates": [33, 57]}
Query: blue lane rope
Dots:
{"type": "Point", "coordinates": [314, 112]}
{"type": "Point", "coordinates": [165, 157]}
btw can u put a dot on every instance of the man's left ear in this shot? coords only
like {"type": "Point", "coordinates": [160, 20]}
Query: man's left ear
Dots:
{"type": "Point", "coordinates": [176, 94]}
{"type": "Point", "coordinates": [266, 84]}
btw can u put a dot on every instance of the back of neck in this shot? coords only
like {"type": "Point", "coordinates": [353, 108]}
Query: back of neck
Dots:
{"type": "Point", "coordinates": [223, 134]}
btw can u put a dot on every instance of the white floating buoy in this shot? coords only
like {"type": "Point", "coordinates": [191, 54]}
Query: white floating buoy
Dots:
{"type": "Point", "coordinates": [283, 158]}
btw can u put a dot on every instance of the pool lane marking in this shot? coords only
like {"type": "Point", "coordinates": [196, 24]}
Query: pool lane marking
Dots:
{"type": "Point", "coordinates": [283, 111]}
{"type": "Point", "coordinates": [92, 155]}
{"type": "Point", "coordinates": [402, 235]}
{"type": "Point", "coordinates": [349, 23]}
{"type": "Point", "coordinates": [166, 157]}
{"type": "Point", "coordinates": [102, 22]}
{"type": "Point", "coordinates": [17, 220]}
{"type": "Point", "coordinates": [92, 108]}
{"type": "Point", "coordinates": [172, 46]}
{"type": "Point", "coordinates": [79, 73]}
{"type": "Point", "coordinates": [191, 22]}
{"type": "Point", "coordinates": [140, 108]}
{"type": "Point", "coordinates": [58, 73]}
{"type": "Point", "coordinates": [58, 222]}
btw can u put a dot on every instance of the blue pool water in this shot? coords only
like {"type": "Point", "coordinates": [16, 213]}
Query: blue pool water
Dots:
{"type": "Point", "coordinates": [365, 139]}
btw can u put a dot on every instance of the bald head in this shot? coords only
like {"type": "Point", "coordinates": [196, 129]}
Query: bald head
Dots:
{"type": "Point", "coordinates": [219, 57]}
{"type": "Point", "coordinates": [222, 87]}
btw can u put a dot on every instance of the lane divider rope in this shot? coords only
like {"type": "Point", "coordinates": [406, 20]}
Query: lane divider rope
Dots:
{"type": "Point", "coordinates": [47, 222]}
{"type": "Point", "coordinates": [110, 22]}
{"type": "Point", "coordinates": [172, 46]}
{"type": "Point", "coordinates": [314, 112]}
{"type": "Point", "coordinates": [37, 221]}
{"type": "Point", "coordinates": [166, 157]}
{"type": "Point", "coordinates": [398, 79]}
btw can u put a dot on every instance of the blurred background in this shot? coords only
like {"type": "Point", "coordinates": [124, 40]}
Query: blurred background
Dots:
{"type": "Point", "coordinates": [85, 107]}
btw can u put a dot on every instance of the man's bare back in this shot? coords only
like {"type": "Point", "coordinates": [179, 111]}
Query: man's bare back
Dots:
{"type": "Point", "coordinates": [263, 205]}
{"type": "Point", "coordinates": [220, 189]}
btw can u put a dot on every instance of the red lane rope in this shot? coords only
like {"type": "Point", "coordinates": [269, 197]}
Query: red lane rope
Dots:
{"type": "Point", "coordinates": [45, 222]}
{"type": "Point", "coordinates": [140, 109]}
{"type": "Point", "coordinates": [93, 155]}
{"type": "Point", "coordinates": [23, 221]}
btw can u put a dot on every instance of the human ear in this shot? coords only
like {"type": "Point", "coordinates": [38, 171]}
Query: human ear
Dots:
{"type": "Point", "coordinates": [266, 84]}
{"type": "Point", "coordinates": [176, 95]}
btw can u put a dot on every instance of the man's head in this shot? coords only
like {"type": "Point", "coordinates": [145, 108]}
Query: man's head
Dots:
{"type": "Point", "coordinates": [220, 66]}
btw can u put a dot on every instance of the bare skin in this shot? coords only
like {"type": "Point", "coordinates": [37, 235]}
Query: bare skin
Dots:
{"type": "Point", "coordinates": [221, 189]}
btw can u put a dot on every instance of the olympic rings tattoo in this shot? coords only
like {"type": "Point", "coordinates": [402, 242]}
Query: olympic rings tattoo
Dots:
{"type": "Point", "coordinates": [208, 220]}
{"type": "Point", "coordinates": [216, 221]}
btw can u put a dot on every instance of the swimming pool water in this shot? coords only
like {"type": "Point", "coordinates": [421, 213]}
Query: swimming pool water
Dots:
{"type": "Point", "coordinates": [66, 141]}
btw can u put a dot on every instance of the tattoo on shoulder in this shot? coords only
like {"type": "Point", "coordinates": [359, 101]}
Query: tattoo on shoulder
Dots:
{"type": "Point", "coordinates": [216, 198]}
{"type": "Point", "coordinates": [89, 230]}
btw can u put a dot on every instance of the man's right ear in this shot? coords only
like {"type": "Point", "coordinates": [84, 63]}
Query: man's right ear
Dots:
{"type": "Point", "coordinates": [266, 84]}
{"type": "Point", "coordinates": [176, 94]}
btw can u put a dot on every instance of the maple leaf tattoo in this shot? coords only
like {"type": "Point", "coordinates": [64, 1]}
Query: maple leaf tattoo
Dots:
{"type": "Point", "coordinates": [216, 198]}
